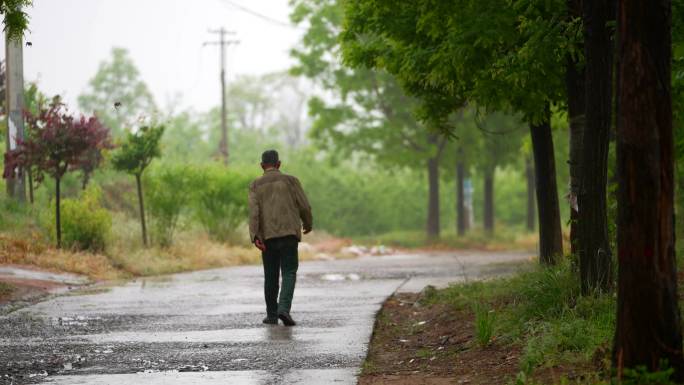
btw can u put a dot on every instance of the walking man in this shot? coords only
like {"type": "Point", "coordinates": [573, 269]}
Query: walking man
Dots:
{"type": "Point", "coordinates": [278, 209]}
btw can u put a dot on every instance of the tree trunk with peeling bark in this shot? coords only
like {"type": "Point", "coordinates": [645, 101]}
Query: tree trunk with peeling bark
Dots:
{"type": "Point", "coordinates": [648, 329]}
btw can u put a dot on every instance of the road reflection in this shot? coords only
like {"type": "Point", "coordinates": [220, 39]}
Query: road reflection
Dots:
{"type": "Point", "coordinates": [278, 333]}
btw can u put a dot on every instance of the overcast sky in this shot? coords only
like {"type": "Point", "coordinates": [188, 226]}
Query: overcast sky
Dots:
{"type": "Point", "coordinates": [164, 37]}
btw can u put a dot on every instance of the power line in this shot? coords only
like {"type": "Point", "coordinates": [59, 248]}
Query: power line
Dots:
{"type": "Point", "coordinates": [259, 15]}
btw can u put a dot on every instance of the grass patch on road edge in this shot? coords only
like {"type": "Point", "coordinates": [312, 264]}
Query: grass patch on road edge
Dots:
{"type": "Point", "coordinates": [543, 311]}
{"type": "Point", "coordinates": [538, 319]}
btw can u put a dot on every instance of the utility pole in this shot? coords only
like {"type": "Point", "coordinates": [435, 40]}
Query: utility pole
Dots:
{"type": "Point", "coordinates": [223, 43]}
{"type": "Point", "coordinates": [14, 106]}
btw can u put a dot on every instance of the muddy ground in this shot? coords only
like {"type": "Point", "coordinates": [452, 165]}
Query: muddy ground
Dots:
{"type": "Point", "coordinates": [433, 344]}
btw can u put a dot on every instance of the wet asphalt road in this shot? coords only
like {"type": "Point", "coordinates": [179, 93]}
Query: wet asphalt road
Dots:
{"type": "Point", "coordinates": [205, 327]}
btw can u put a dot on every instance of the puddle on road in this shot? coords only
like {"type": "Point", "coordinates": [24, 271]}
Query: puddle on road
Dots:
{"type": "Point", "coordinates": [40, 374]}
{"type": "Point", "coordinates": [340, 277]}
{"type": "Point", "coordinates": [73, 321]}
{"type": "Point", "coordinates": [194, 368]}
{"type": "Point", "coordinates": [275, 333]}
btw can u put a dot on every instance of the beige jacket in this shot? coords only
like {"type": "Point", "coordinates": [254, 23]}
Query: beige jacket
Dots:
{"type": "Point", "coordinates": [277, 207]}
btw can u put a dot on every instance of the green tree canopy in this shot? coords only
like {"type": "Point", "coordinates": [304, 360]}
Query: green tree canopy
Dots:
{"type": "Point", "coordinates": [116, 94]}
{"type": "Point", "coordinates": [14, 18]}
{"type": "Point", "coordinates": [138, 150]}
{"type": "Point", "coordinates": [499, 55]}
{"type": "Point", "coordinates": [363, 111]}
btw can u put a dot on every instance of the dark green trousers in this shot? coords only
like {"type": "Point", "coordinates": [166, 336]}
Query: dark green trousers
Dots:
{"type": "Point", "coordinates": [280, 254]}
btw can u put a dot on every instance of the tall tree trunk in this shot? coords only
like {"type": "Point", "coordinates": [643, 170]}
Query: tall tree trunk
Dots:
{"type": "Point", "coordinates": [30, 181]}
{"type": "Point", "coordinates": [550, 236]}
{"type": "Point", "coordinates": [529, 170]}
{"type": "Point", "coordinates": [489, 200]}
{"type": "Point", "coordinates": [460, 199]}
{"type": "Point", "coordinates": [648, 320]}
{"type": "Point", "coordinates": [433, 198]}
{"type": "Point", "coordinates": [141, 204]}
{"type": "Point", "coordinates": [595, 257]}
{"type": "Point", "coordinates": [576, 92]}
{"type": "Point", "coordinates": [58, 212]}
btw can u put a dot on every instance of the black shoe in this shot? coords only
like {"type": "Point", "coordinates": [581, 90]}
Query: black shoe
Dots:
{"type": "Point", "coordinates": [287, 320]}
{"type": "Point", "coordinates": [270, 321]}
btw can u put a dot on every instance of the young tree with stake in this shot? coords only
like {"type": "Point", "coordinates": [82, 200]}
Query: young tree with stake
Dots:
{"type": "Point", "coordinates": [133, 157]}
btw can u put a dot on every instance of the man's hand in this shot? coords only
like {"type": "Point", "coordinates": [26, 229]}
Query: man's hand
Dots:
{"type": "Point", "coordinates": [259, 244]}
{"type": "Point", "coordinates": [307, 231]}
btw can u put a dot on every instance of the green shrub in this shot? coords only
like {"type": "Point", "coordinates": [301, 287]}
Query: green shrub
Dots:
{"type": "Point", "coordinates": [168, 191]}
{"type": "Point", "coordinates": [220, 200]}
{"type": "Point", "coordinates": [85, 223]}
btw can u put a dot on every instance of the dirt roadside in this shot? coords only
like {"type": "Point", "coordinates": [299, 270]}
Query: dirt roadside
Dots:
{"type": "Point", "coordinates": [25, 284]}
{"type": "Point", "coordinates": [432, 345]}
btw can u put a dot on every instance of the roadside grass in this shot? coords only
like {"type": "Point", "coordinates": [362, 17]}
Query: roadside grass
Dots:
{"type": "Point", "coordinates": [194, 254]}
{"type": "Point", "coordinates": [6, 289]}
{"type": "Point", "coordinates": [503, 238]}
{"type": "Point", "coordinates": [187, 254]}
{"type": "Point", "coordinates": [190, 250]}
{"type": "Point", "coordinates": [125, 257]}
{"type": "Point", "coordinates": [538, 315]}
{"type": "Point", "coordinates": [95, 266]}
{"type": "Point", "coordinates": [542, 311]}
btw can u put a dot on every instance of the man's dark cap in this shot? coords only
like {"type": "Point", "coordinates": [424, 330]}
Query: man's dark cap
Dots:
{"type": "Point", "coordinates": [269, 157]}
